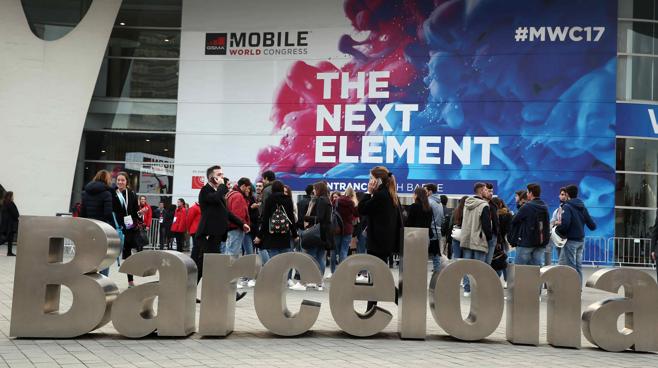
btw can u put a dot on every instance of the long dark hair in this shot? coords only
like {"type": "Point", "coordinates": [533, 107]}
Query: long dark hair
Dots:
{"type": "Point", "coordinates": [388, 179]}
{"type": "Point", "coordinates": [321, 189]}
{"type": "Point", "coordinates": [8, 198]}
{"type": "Point", "coordinates": [421, 198]}
{"type": "Point", "coordinates": [502, 208]}
{"type": "Point", "coordinates": [459, 211]}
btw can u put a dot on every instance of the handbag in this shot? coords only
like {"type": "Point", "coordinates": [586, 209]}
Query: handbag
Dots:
{"type": "Point", "coordinates": [456, 233]}
{"type": "Point", "coordinates": [310, 237]}
{"type": "Point", "coordinates": [142, 238]}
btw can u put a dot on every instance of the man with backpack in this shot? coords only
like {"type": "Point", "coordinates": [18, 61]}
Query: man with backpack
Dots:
{"type": "Point", "coordinates": [572, 226]}
{"type": "Point", "coordinates": [531, 226]}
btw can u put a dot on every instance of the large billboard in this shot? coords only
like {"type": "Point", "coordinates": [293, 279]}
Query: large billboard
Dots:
{"type": "Point", "coordinates": [450, 92]}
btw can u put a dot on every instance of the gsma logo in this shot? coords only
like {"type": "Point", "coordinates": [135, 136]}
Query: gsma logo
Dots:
{"type": "Point", "coordinates": [216, 43]}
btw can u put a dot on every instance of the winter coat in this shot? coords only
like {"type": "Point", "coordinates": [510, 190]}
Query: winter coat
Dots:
{"type": "Point", "coordinates": [302, 207]}
{"type": "Point", "coordinates": [574, 219]}
{"type": "Point", "coordinates": [505, 225]}
{"type": "Point", "coordinates": [193, 218]}
{"type": "Point", "coordinates": [321, 213]}
{"type": "Point", "coordinates": [237, 205]}
{"type": "Point", "coordinates": [385, 232]}
{"type": "Point", "coordinates": [180, 221]}
{"type": "Point", "coordinates": [524, 220]}
{"type": "Point", "coordinates": [214, 214]}
{"type": "Point", "coordinates": [120, 211]}
{"type": "Point", "coordinates": [437, 215]}
{"type": "Point", "coordinates": [97, 202]}
{"type": "Point", "coordinates": [476, 225]}
{"type": "Point", "coordinates": [417, 217]}
{"type": "Point", "coordinates": [9, 218]}
{"type": "Point", "coordinates": [147, 215]}
{"type": "Point", "coordinates": [277, 241]}
{"type": "Point", "coordinates": [348, 212]}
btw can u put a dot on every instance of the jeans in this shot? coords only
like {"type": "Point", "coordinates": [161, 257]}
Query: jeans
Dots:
{"type": "Point", "coordinates": [320, 256]}
{"type": "Point", "coordinates": [222, 247]}
{"type": "Point", "coordinates": [491, 247]}
{"type": "Point", "coordinates": [361, 243]}
{"type": "Point", "coordinates": [341, 250]}
{"type": "Point", "coordinates": [456, 249]}
{"type": "Point", "coordinates": [503, 273]}
{"type": "Point", "coordinates": [264, 256]}
{"type": "Point", "coordinates": [234, 241]}
{"type": "Point", "coordinates": [273, 252]}
{"type": "Point", "coordinates": [248, 244]}
{"type": "Point", "coordinates": [572, 256]}
{"type": "Point", "coordinates": [436, 263]}
{"type": "Point", "coordinates": [530, 256]}
{"type": "Point", "coordinates": [472, 254]}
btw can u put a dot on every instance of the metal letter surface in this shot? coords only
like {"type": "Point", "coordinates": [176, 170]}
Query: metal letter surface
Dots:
{"type": "Point", "coordinates": [344, 292]}
{"type": "Point", "coordinates": [563, 305]}
{"type": "Point", "coordinates": [218, 291]}
{"type": "Point", "coordinates": [638, 305]}
{"type": "Point", "coordinates": [412, 300]}
{"type": "Point", "coordinates": [486, 300]}
{"type": "Point", "coordinates": [270, 294]}
{"type": "Point", "coordinates": [132, 312]}
{"type": "Point", "coordinates": [40, 273]}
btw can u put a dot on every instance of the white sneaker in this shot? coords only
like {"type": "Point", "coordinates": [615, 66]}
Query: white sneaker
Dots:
{"type": "Point", "coordinates": [328, 276]}
{"type": "Point", "coordinates": [251, 283]}
{"type": "Point", "coordinates": [361, 279]}
{"type": "Point", "coordinates": [240, 286]}
{"type": "Point", "coordinates": [311, 285]}
{"type": "Point", "coordinates": [467, 293]}
{"type": "Point", "coordinates": [297, 287]}
{"type": "Point", "coordinates": [290, 283]}
{"type": "Point", "coordinates": [505, 285]}
{"type": "Point", "coordinates": [320, 288]}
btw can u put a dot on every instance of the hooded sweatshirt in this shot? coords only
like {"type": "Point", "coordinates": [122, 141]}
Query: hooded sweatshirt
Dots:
{"type": "Point", "coordinates": [574, 218]}
{"type": "Point", "coordinates": [524, 220]}
{"type": "Point", "coordinates": [476, 225]}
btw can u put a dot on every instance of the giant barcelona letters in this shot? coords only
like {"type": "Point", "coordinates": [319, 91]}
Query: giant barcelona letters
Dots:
{"type": "Point", "coordinates": [40, 273]}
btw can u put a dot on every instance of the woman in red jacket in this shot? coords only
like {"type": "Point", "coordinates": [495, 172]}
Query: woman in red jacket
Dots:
{"type": "Point", "coordinates": [179, 226]}
{"type": "Point", "coordinates": [145, 212]}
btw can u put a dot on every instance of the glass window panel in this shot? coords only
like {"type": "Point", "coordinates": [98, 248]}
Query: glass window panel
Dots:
{"type": "Point", "coordinates": [115, 146]}
{"type": "Point", "coordinates": [634, 223]}
{"type": "Point", "coordinates": [53, 19]}
{"type": "Point", "coordinates": [636, 37]}
{"type": "Point", "coordinates": [637, 155]}
{"type": "Point", "coordinates": [623, 80]}
{"type": "Point", "coordinates": [131, 115]}
{"type": "Point", "coordinates": [130, 42]}
{"type": "Point", "coordinates": [138, 79]}
{"type": "Point", "coordinates": [636, 190]}
{"type": "Point", "coordinates": [641, 74]}
{"type": "Point", "coordinates": [150, 13]}
{"type": "Point", "coordinates": [639, 9]}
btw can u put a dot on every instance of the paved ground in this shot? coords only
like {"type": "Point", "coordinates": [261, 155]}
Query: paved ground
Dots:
{"type": "Point", "coordinates": [325, 346]}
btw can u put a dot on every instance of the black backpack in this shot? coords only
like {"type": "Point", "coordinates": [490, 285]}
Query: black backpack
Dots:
{"type": "Point", "coordinates": [279, 221]}
{"type": "Point", "coordinates": [336, 221]}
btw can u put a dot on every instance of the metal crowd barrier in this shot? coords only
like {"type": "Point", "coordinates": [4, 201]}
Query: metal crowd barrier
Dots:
{"type": "Point", "coordinates": [635, 252]}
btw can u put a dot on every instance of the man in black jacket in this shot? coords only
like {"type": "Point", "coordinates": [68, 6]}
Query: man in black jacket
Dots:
{"type": "Point", "coordinates": [532, 229]}
{"type": "Point", "coordinates": [572, 226]}
{"type": "Point", "coordinates": [302, 206]}
{"type": "Point", "coordinates": [213, 225]}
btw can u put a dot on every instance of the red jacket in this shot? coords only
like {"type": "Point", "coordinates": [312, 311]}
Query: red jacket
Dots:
{"type": "Point", "coordinates": [237, 205]}
{"type": "Point", "coordinates": [180, 221]}
{"type": "Point", "coordinates": [193, 218]}
{"type": "Point", "coordinates": [148, 215]}
{"type": "Point", "coordinates": [348, 212]}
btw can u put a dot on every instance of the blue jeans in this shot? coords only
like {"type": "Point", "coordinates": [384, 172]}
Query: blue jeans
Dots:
{"type": "Point", "coordinates": [341, 250]}
{"type": "Point", "coordinates": [456, 249]}
{"type": "Point", "coordinates": [530, 256]}
{"type": "Point", "coordinates": [248, 244]}
{"type": "Point", "coordinates": [234, 241]}
{"type": "Point", "coordinates": [105, 272]}
{"type": "Point", "coordinates": [491, 247]}
{"type": "Point", "coordinates": [436, 263]}
{"type": "Point", "coordinates": [472, 254]}
{"type": "Point", "coordinates": [572, 256]}
{"type": "Point", "coordinates": [320, 256]}
{"type": "Point", "coordinates": [361, 243]}
{"type": "Point", "coordinates": [222, 247]}
{"type": "Point", "coordinates": [503, 273]}
{"type": "Point", "coordinates": [264, 256]}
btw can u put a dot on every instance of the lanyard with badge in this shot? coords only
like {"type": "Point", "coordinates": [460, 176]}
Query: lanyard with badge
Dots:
{"type": "Point", "coordinates": [127, 220]}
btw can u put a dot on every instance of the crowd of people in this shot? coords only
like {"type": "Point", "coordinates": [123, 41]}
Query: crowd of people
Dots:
{"type": "Point", "coordinates": [241, 218]}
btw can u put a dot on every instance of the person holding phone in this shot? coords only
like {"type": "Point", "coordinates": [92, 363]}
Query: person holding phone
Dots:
{"type": "Point", "coordinates": [382, 208]}
{"type": "Point", "coordinates": [213, 226]}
